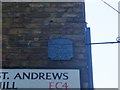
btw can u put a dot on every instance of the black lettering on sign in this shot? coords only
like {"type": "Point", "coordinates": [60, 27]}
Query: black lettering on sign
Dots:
{"type": "Point", "coordinates": [48, 76]}
{"type": "Point", "coordinates": [65, 76]}
{"type": "Point", "coordinates": [17, 76]}
{"type": "Point", "coordinates": [3, 75]}
{"type": "Point", "coordinates": [57, 75]}
{"type": "Point", "coordinates": [7, 85]}
{"type": "Point", "coordinates": [41, 76]}
{"type": "Point", "coordinates": [34, 75]}
{"type": "Point", "coordinates": [26, 75]}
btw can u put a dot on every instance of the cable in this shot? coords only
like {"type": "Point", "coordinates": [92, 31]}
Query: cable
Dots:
{"type": "Point", "coordinates": [117, 41]}
{"type": "Point", "coordinates": [110, 6]}
{"type": "Point", "coordinates": [118, 38]}
{"type": "Point", "coordinates": [103, 43]}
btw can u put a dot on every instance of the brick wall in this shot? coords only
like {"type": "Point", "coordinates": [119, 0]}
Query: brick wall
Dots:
{"type": "Point", "coordinates": [37, 23]}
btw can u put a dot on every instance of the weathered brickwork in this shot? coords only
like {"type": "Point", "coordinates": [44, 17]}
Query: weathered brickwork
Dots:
{"type": "Point", "coordinates": [27, 27]}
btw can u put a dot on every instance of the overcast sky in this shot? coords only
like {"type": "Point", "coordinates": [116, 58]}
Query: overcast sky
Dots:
{"type": "Point", "coordinates": [103, 22]}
